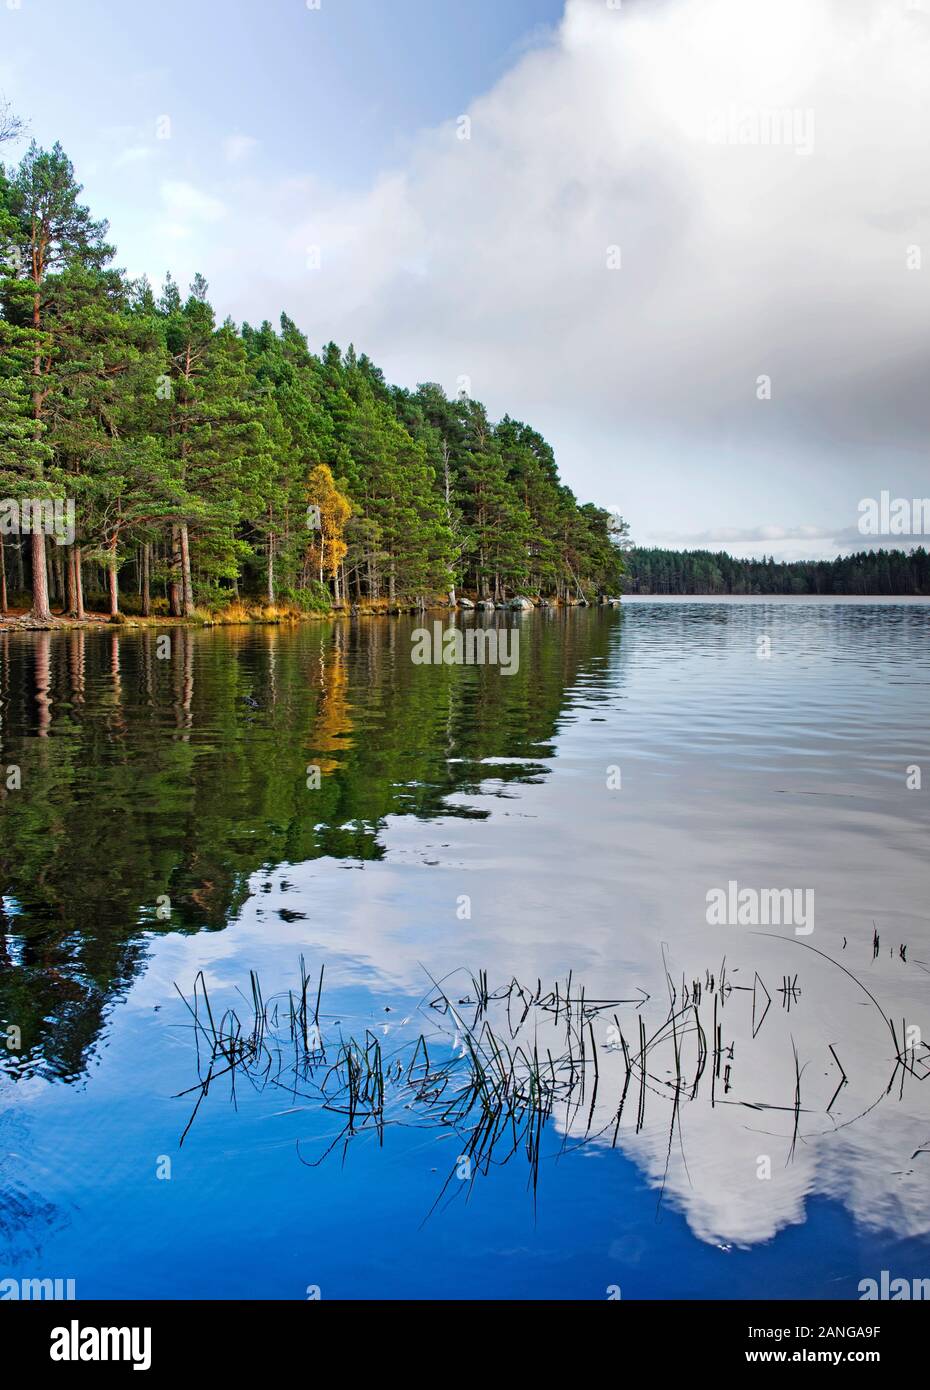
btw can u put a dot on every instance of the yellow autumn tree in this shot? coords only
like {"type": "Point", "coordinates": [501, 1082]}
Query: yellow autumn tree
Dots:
{"type": "Point", "coordinates": [328, 511]}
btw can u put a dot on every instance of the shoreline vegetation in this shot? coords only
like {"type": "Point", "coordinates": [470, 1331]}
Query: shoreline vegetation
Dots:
{"type": "Point", "coordinates": [242, 614]}
{"type": "Point", "coordinates": [158, 463]}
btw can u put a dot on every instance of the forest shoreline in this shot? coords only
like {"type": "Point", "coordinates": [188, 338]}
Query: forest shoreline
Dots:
{"type": "Point", "coordinates": [276, 616]}
{"type": "Point", "coordinates": [151, 452]}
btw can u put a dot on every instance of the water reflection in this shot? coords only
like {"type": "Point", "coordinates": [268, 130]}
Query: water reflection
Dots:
{"type": "Point", "coordinates": [175, 764]}
{"type": "Point", "coordinates": [465, 822]}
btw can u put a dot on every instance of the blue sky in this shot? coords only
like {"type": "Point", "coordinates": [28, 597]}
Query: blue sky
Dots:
{"type": "Point", "coordinates": [342, 88]}
{"type": "Point", "coordinates": [611, 246]}
{"type": "Point", "coordinates": [337, 92]}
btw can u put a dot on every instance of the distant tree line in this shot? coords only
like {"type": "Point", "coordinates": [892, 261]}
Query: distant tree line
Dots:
{"type": "Point", "coordinates": [654, 571]}
{"type": "Point", "coordinates": [209, 462]}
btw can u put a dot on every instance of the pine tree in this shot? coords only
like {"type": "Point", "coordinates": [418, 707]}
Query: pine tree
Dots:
{"type": "Point", "coordinates": [52, 234]}
{"type": "Point", "coordinates": [216, 439]}
{"type": "Point", "coordinates": [194, 450]}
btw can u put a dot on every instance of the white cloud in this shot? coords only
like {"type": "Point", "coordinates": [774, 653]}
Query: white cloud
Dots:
{"type": "Point", "coordinates": [134, 154]}
{"type": "Point", "coordinates": [189, 214]}
{"type": "Point", "coordinates": [784, 542]}
{"type": "Point", "coordinates": [184, 200]}
{"type": "Point", "coordinates": [489, 256]}
{"type": "Point", "coordinates": [238, 147]}
{"type": "Point", "coordinates": [175, 231]}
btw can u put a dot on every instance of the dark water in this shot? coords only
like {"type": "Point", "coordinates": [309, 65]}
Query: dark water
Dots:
{"type": "Point", "coordinates": [732, 1110]}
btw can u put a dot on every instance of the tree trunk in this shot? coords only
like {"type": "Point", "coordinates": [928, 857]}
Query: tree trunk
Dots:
{"type": "Point", "coordinates": [187, 588]}
{"type": "Point", "coordinates": [50, 571]}
{"type": "Point", "coordinates": [3, 601]}
{"type": "Point", "coordinates": [40, 605]}
{"type": "Point", "coordinates": [147, 580]}
{"type": "Point", "coordinates": [79, 612]}
{"type": "Point", "coordinates": [70, 595]}
{"type": "Point", "coordinates": [174, 587]}
{"type": "Point", "coordinates": [58, 570]}
{"type": "Point", "coordinates": [447, 481]}
{"type": "Point", "coordinates": [113, 581]}
{"type": "Point", "coordinates": [271, 566]}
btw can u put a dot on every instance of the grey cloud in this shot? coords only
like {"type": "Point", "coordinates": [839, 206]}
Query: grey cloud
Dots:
{"type": "Point", "coordinates": [488, 256]}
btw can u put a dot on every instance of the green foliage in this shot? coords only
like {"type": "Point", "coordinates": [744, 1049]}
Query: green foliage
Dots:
{"type": "Point", "coordinates": [314, 598]}
{"type": "Point", "coordinates": [190, 448]}
{"type": "Point", "coordinates": [652, 571]}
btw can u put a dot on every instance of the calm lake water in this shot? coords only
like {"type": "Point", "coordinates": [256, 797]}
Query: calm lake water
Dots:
{"type": "Point", "coordinates": [612, 1092]}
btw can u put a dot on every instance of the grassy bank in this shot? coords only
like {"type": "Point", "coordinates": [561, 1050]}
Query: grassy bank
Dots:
{"type": "Point", "coordinates": [240, 613]}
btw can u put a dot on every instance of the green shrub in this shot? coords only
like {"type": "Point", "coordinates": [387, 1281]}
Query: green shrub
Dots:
{"type": "Point", "coordinates": [314, 599]}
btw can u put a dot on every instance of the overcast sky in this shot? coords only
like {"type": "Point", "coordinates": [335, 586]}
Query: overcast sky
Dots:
{"type": "Point", "coordinates": [657, 212]}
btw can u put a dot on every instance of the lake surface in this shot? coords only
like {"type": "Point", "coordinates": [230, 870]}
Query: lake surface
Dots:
{"type": "Point", "coordinates": [534, 1067]}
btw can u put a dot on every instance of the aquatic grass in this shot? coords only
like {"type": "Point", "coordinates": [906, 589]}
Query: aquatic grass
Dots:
{"type": "Point", "coordinates": [494, 1066]}
{"type": "Point", "coordinates": [496, 1092]}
